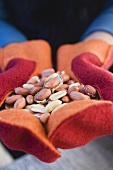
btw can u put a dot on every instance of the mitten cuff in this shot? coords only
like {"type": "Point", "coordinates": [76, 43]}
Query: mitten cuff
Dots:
{"type": "Point", "coordinates": [35, 50]}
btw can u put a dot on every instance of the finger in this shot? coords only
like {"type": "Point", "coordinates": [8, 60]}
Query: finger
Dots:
{"type": "Point", "coordinates": [87, 68]}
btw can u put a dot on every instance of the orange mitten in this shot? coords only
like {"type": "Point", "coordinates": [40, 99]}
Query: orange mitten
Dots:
{"type": "Point", "coordinates": [66, 53]}
{"type": "Point", "coordinates": [21, 61]}
{"type": "Point", "coordinates": [81, 121]}
{"type": "Point", "coordinates": [78, 122]}
{"type": "Point", "coordinates": [20, 130]}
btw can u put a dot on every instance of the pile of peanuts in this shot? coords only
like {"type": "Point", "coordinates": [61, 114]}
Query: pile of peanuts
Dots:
{"type": "Point", "coordinates": [43, 95]}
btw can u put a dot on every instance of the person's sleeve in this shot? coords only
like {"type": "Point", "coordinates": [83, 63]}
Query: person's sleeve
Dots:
{"type": "Point", "coordinates": [10, 34]}
{"type": "Point", "coordinates": [104, 22]}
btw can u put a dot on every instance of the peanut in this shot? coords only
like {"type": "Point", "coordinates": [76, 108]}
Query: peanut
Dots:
{"type": "Point", "coordinates": [52, 105]}
{"type": "Point", "coordinates": [70, 82]}
{"type": "Point", "coordinates": [28, 86]}
{"type": "Point", "coordinates": [48, 93]}
{"type": "Point", "coordinates": [43, 94]}
{"type": "Point", "coordinates": [33, 80]}
{"type": "Point", "coordinates": [47, 72]}
{"type": "Point", "coordinates": [21, 91]}
{"type": "Point", "coordinates": [62, 87]}
{"type": "Point", "coordinates": [44, 117]}
{"type": "Point", "coordinates": [90, 91]}
{"type": "Point", "coordinates": [38, 108]}
{"type": "Point", "coordinates": [30, 99]}
{"type": "Point", "coordinates": [74, 95]}
{"type": "Point", "coordinates": [20, 103]}
{"type": "Point", "coordinates": [41, 101]}
{"type": "Point", "coordinates": [65, 77]}
{"type": "Point", "coordinates": [65, 99]}
{"type": "Point", "coordinates": [58, 95]}
{"type": "Point", "coordinates": [74, 84]}
{"type": "Point", "coordinates": [40, 83]}
{"type": "Point", "coordinates": [34, 90]}
{"type": "Point", "coordinates": [12, 99]}
{"type": "Point", "coordinates": [52, 83]}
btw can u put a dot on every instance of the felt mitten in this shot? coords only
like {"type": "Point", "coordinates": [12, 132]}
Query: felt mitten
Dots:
{"type": "Point", "coordinates": [66, 53]}
{"type": "Point", "coordinates": [20, 61]}
{"type": "Point", "coordinates": [90, 59]}
{"type": "Point", "coordinates": [79, 122]}
{"type": "Point", "coordinates": [20, 130]}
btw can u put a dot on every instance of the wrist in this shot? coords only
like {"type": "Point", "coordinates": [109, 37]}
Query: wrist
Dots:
{"type": "Point", "coordinates": [105, 36]}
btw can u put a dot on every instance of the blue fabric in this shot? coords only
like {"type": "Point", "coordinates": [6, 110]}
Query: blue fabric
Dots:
{"type": "Point", "coordinates": [9, 34]}
{"type": "Point", "coordinates": [104, 22]}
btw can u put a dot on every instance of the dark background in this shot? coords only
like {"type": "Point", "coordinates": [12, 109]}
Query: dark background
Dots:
{"type": "Point", "coordinates": [58, 22]}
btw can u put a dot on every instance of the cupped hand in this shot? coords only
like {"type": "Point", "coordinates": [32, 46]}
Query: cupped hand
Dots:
{"type": "Point", "coordinates": [20, 130]}
{"type": "Point", "coordinates": [82, 121]}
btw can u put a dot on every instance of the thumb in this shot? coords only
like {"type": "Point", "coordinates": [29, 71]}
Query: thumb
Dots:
{"type": "Point", "coordinates": [87, 68]}
{"type": "Point", "coordinates": [18, 71]}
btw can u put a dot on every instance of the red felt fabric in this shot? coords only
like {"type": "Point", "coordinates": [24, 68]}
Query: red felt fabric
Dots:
{"type": "Point", "coordinates": [0, 70]}
{"type": "Point", "coordinates": [80, 122]}
{"type": "Point", "coordinates": [87, 68]}
{"type": "Point", "coordinates": [73, 125]}
{"type": "Point", "coordinates": [17, 72]}
{"type": "Point", "coordinates": [19, 62]}
{"type": "Point", "coordinates": [66, 53]}
{"type": "Point", "coordinates": [22, 131]}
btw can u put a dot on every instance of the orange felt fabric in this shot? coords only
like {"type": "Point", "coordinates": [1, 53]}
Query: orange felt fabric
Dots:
{"type": "Point", "coordinates": [20, 61]}
{"type": "Point", "coordinates": [73, 125]}
{"type": "Point", "coordinates": [22, 131]}
{"type": "Point", "coordinates": [80, 122]}
{"type": "Point", "coordinates": [66, 53]}
{"type": "Point", "coordinates": [35, 50]}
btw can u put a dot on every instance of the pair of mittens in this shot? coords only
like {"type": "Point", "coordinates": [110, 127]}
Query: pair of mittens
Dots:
{"type": "Point", "coordinates": [73, 125]}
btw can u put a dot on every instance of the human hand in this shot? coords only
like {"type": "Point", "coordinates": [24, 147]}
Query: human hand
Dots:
{"type": "Point", "coordinates": [20, 61]}
{"type": "Point", "coordinates": [82, 121]}
{"type": "Point", "coordinates": [73, 125]}
{"type": "Point", "coordinates": [20, 130]}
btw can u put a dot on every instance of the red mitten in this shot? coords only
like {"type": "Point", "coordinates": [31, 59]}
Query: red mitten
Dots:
{"type": "Point", "coordinates": [81, 121]}
{"type": "Point", "coordinates": [20, 130]}
{"type": "Point", "coordinates": [14, 60]}
{"type": "Point", "coordinates": [67, 53]}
